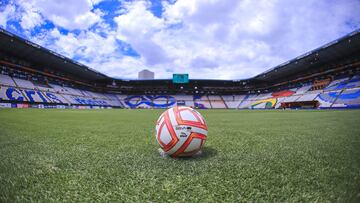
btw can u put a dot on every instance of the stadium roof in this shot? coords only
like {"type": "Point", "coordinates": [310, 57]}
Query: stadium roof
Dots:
{"type": "Point", "coordinates": [24, 49]}
{"type": "Point", "coordinates": [322, 57]}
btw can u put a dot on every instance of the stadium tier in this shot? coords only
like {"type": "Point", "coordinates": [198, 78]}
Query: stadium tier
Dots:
{"type": "Point", "coordinates": [340, 93]}
{"type": "Point", "coordinates": [32, 76]}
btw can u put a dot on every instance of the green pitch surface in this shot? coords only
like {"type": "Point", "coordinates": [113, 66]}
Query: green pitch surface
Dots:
{"type": "Point", "coordinates": [111, 155]}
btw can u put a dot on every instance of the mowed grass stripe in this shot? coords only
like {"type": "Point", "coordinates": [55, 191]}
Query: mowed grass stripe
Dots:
{"type": "Point", "coordinates": [111, 155]}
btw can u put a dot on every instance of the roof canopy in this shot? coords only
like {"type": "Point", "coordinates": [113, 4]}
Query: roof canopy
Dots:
{"type": "Point", "coordinates": [324, 57]}
{"type": "Point", "coordinates": [24, 49]}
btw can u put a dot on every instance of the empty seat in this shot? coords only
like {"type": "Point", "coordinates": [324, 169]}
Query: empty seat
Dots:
{"type": "Point", "coordinates": [303, 89]}
{"type": "Point", "coordinates": [326, 99]}
{"type": "Point", "coordinates": [291, 99]}
{"type": "Point", "coordinates": [183, 97]}
{"type": "Point", "coordinates": [24, 83]}
{"type": "Point", "coordinates": [309, 96]}
{"type": "Point", "coordinates": [6, 80]}
{"type": "Point", "coordinates": [348, 98]}
{"type": "Point", "coordinates": [232, 104]}
{"type": "Point", "coordinates": [353, 82]}
{"type": "Point", "coordinates": [217, 104]}
{"type": "Point", "coordinates": [336, 84]}
{"type": "Point", "coordinates": [214, 97]}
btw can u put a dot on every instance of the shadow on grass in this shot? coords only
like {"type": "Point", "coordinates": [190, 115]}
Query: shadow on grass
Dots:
{"type": "Point", "coordinates": [207, 153]}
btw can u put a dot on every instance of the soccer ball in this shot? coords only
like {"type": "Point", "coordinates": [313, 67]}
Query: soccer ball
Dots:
{"type": "Point", "coordinates": [181, 131]}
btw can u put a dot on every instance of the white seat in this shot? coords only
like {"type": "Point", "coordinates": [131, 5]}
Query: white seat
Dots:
{"type": "Point", "coordinates": [24, 83]}
{"type": "Point", "coordinates": [6, 80]}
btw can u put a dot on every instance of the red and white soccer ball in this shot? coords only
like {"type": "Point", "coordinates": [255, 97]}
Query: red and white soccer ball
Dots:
{"type": "Point", "coordinates": [181, 131]}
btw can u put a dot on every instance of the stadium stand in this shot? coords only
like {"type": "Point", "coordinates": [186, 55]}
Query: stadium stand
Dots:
{"type": "Point", "coordinates": [245, 104]}
{"type": "Point", "coordinates": [337, 84]}
{"type": "Point", "coordinates": [353, 83]}
{"type": "Point", "coordinates": [309, 96]}
{"type": "Point", "coordinates": [349, 98]}
{"type": "Point", "coordinates": [341, 97]}
{"type": "Point", "coordinates": [326, 99]}
{"type": "Point", "coordinates": [302, 90]}
{"type": "Point", "coordinates": [48, 80]}
{"type": "Point", "coordinates": [6, 80]}
{"type": "Point", "coordinates": [320, 84]}
{"type": "Point", "coordinates": [279, 101]}
{"type": "Point", "coordinates": [23, 83]}
{"type": "Point", "coordinates": [202, 102]}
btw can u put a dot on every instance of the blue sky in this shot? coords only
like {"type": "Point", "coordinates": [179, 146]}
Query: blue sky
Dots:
{"type": "Point", "coordinates": [216, 39]}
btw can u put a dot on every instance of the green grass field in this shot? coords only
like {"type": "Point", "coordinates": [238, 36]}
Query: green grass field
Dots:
{"type": "Point", "coordinates": [111, 155]}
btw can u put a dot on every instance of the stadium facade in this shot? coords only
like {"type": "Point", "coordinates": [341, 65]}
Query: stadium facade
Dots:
{"type": "Point", "coordinates": [33, 76]}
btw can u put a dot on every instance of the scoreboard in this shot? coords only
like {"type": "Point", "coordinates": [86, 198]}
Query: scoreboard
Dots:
{"type": "Point", "coordinates": [180, 78]}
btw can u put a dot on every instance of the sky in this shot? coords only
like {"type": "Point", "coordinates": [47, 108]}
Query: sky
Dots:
{"type": "Point", "coordinates": [209, 39]}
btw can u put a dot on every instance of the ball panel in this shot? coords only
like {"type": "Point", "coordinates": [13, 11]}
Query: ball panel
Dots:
{"type": "Point", "coordinates": [195, 144]}
{"type": "Point", "coordinates": [160, 118]}
{"type": "Point", "coordinates": [165, 136]}
{"type": "Point", "coordinates": [199, 130]}
{"type": "Point", "coordinates": [181, 150]}
{"type": "Point", "coordinates": [171, 131]}
{"type": "Point", "coordinates": [171, 114]}
{"type": "Point", "coordinates": [159, 123]}
{"type": "Point", "coordinates": [177, 146]}
{"type": "Point", "coordinates": [187, 115]}
{"type": "Point", "coordinates": [202, 120]}
{"type": "Point", "coordinates": [180, 121]}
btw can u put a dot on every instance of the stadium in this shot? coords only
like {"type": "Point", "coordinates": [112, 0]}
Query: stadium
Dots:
{"type": "Point", "coordinates": [325, 78]}
{"type": "Point", "coordinates": [73, 134]}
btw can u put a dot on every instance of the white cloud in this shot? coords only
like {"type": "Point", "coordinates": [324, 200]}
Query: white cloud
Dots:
{"type": "Point", "coordinates": [7, 13]}
{"type": "Point", "coordinates": [90, 48]}
{"type": "Point", "coordinates": [30, 17]}
{"type": "Point", "coordinates": [86, 45]}
{"type": "Point", "coordinates": [94, 2]}
{"type": "Point", "coordinates": [68, 14]}
{"type": "Point", "coordinates": [205, 38]}
{"type": "Point", "coordinates": [231, 39]}
{"type": "Point", "coordinates": [121, 67]}
{"type": "Point", "coordinates": [137, 27]}
{"type": "Point", "coordinates": [198, 46]}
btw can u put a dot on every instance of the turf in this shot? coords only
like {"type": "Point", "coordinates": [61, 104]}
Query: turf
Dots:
{"type": "Point", "coordinates": [111, 155]}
